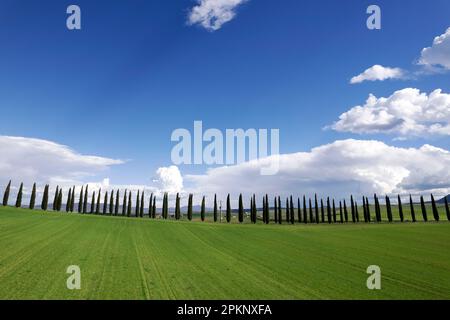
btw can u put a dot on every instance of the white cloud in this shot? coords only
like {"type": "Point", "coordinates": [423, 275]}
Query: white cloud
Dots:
{"type": "Point", "coordinates": [31, 160]}
{"type": "Point", "coordinates": [405, 113]}
{"type": "Point", "coordinates": [212, 14]}
{"type": "Point", "coordinates": [378, 72]}
{"type": "Point", "coordinates": [439, 53]}
{"type": "Point", "coordinates": [170, 179]}
{"type": "Point", "coordinates": [337, 169]}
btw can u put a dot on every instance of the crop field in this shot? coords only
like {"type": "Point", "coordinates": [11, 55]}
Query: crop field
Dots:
{"type": "Point", "coordinates": [130, 258]}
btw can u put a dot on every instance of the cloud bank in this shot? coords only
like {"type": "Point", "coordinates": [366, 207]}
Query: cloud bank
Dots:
{"type": "Point", "coordinates": [439, 53]}
{"type": "Point", "coordinates": [378, 72]}
{"type": "Point", "coordinates": [405, 113]}
{"type": "Point", "coordinates": [213, 14]}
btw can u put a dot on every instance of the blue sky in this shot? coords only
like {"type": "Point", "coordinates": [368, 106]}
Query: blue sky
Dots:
{"type": "Point", "coordinates": [137, 71]}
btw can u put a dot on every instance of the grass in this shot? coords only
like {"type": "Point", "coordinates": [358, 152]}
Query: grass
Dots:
{"type": "Point", "coordinates": [126, 258]}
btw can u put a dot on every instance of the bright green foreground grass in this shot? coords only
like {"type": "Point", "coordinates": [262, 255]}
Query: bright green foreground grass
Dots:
{"type": "Point", "coordinates": [127, 258]}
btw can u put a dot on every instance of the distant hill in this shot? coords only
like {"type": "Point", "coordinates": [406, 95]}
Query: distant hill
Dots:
{"type": "Point", "coordinates": [442, 201]}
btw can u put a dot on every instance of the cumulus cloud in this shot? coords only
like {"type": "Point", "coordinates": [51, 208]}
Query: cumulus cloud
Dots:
{"type": "Point", "coordinates": [405, 113]}
{"type": "Point", "coordinates": [31, 160]}
{"type": "Point", "coordinates": [341, 168]}
{"type": "Point", "coordinates": [169, 179]}
{"type": "Point", "coordinates": [378, 72]}
{"type": "Point", "coordinates": [212, 14]}
{"type": "Point", "coordinates": [439, 53]}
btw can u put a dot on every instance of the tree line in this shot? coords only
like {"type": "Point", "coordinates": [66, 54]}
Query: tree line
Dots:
{"type": "Point", "coordinates": [117, 203]}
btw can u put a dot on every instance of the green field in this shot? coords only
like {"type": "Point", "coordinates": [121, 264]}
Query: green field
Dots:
{"type": "Point", "coordinates": [126, 258]}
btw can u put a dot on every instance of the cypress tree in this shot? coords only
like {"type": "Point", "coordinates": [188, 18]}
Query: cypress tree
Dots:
{"type": "Point", "coordinates": [322, 211]}
{"type": "Point", "coordinates": [189, 209]}
{"type": "Point", "coordinates": [291, 207]}
{"type": "Point", "coordinates": [33, 197]}
{"type": "Point", "coordinates": [116, 208]}
{"type": "Point", "coordinates": [334, 212]}
{"type": "Point", "coordinates": [345, 212]}
{"type": "Point", "coordinates": [142, 204]}
{"type": "Point", "coordinates": [166, 205]}
{"type": "Point", "coordinates": [311, 219]}
{"type": "Point", "coordinates": [124, 203]}
{"type": "Point", "coordinates": [447, 210]}
{"type": "Point", "coordinates": [389, 209]}
{"type": "Point", "coordinates": [150, 205]}
{"type": "Point", "coordinates": [129, 204]}
{"type": "Point", "coordinates": [356, 211]}
{"type": "Point", "coordinates": [59, 200]}
{"type": "Point", "coordinates": [69, 200]}
{"type": "Point", "coordinates": [85, 199]}
{"type": "Point", "coordinates": [19, 196]}
{"type": "Point", "coordinates": [424, 209]}
{"type": "Point", "coordinates": [377, 209]}
{"type": "Point", "coordinates": [111, 203]}
{"type": "Point", "coordinates": [93, 202]}
{"type": "Point", "coordinates": [352, 204]}
{"type": "Point", "coordinates": [275, 208]}
{"type": "Point", "coordinates": [105, 203]}
{"type": "Point", "coordinates": [369, 218]}
{"type": "Point", "coordinates": [44, 203]}
{"type": "Point", "coordinates": [6, 194]}
{"type": "Point", "coordinates": [364, 209]}
{"type": "Point", "coordinates": [97, 208]}
{"type": "Point", "coordinates": [435, 210]}
{"type": "Point", "coordinates": [328, 210]}
{"type": "Point", "coordinates": [202, 211]}
{"type": "Point", "coordinates": [55, 198]}
{"type": "Point", "coordinates": [80, 200]}
{"type": "Point", "coordinates": [411, 207]}
{"type": "Point", "coordinates": [299, 211]}
{"type": "Point", "coordinates": [305, 212]}
{"type": "Point", "coordinates": [137, 204]}
{"type": "Point", "coordinates": [154, 208]}
{"type": "Point", "coordinates": [287, 210]}
{"type": "Point", "coordinates": [340, 212]}
{"type": "Point", "coordinates": [280, 209]}
{"type": "Point", "coordinates": [241, 209]}
{"type": "Point", "coordinates": [163, 209]}
{"type": "Point", "coordinates": [215, 208]}
{"type": "Point", "coordinates": [400, 209]}
{"type": "Point", "coordinates": [316, 207]}
{"type": "Point", "coordinates": [228, 209]}
{"type": "Point", "coordinates": [72, 200]}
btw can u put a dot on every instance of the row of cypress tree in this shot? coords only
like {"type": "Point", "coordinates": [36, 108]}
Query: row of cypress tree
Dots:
{"type": "Point", "coordinates": [314, 214]}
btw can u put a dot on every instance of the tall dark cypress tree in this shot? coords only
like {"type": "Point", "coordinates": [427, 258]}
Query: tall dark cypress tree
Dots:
{"type": "Point", "coordinates": [55, 199]}
{"type": "Point", "coordinates": [44, 203]}
{"type": "Point", "coordinates": [59, 200]}
{"type": "Point", "coordinates": [142, 204]}
{"type": "Point", "coordinates": [328, 210]}
{"type": "Point", "coordinates": [280, 208]}
{"type": "Point", "coordinates": [352, 204]}
{"type": "Point", "coordinates": [129, 204]}
{"type": "Point", "coordinates": [299, 211]}
{"type": "Point", "coordinates": [400, 208]}
{"type": "Point", "coordinates": [447, 210]}
{"type": "Point", "coordinates": [33, 197]}
{"type": "Point", "coordinates": [215, 208]}
{"type": "Point", "coordinates": [93, 202]}
{"type": "Point", "coordinates": [389, 209]}
{"type": "Point", "coordinates": [291, 210]}
{"type": "Point", "coordinates": [85, 200]}
{"type": "Point", "coordinates": [69, 200]}
{"type": "Point", "coordinates": [424, 209]}
{"type": "Point", "coordinates": [287, 210]}
{"type": "Point", "coordinates": [322, 211]}
{"type": "Point", "coordinates": [124, 203]}
{"type": "Point", "coordinates": [19, 196]}
{"type": "Point", "coordinates": [305, 212]}
{"type": "Point", "coordinates": [369, 218]}
{"type": "Point", "coordinates": [111, 203]}
{"type": "Point", "coordinates": [150, 205]}
{"type": "Point", "coordinates": [80, 200]}
{"type": "Point", "coordinates": [364, 209]}
{"type": "Point", "coordinates": [202, 210]}
{"type": "Point", "coordinates": [411, 208]}
{"type": "Point", "coordinates": [6, 194]}
{"type": "Point", "coordinates": [377, 209]}
{"type": "Point", "coordinates": [434, 208]}
{"type": "Point", "coordinates": [166, 205]}
{"type": "Point", "coordinates": [316, 207]}
{"type": "Point", "coordinates": [189, 209]}
{"type": "Point", "coordinates": [137, 204]}
{"type": "Point", "coordinates": [97, 208]}
{"type": "Point", "coordinates": [154, 208]}
{"type": "Point", "coordinates": [228, 209]}
{"type": "Point", "coordinates": [105, 203]}
{"type": "Point", "coordinates": [345, 211]}
{"type": "Point", "coordinates": [356, 211]}
{"type": "Point", "coordinates": [116, 208]}
{"type": "Point", "coordinates": [72, 200]}
{"type": "Point", "coordinates": [334, 212]}
{"type": "Point", "coordinates": [311, 219]}
{"type": "Point", "coordinates": [266, 216]}
{"type": "Point", "coordinates": [241, 209]}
